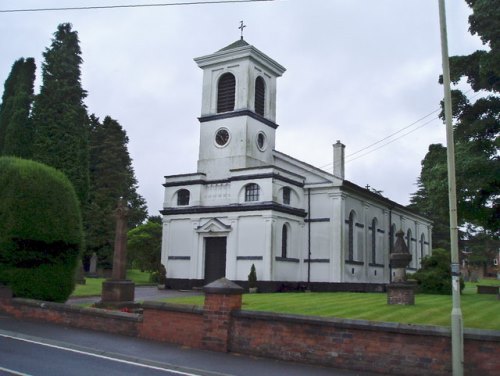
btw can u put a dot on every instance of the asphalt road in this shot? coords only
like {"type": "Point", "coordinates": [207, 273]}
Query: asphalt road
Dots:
{"type": "Point", "coordinates": [39, 349]}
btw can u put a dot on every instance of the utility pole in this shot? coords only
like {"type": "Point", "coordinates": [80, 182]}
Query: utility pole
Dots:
{"type": "Point", "coordinates": [457, 339]}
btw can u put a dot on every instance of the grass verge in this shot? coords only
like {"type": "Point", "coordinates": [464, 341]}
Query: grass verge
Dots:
{"type": "Point", "coordinates": [479, 311]}
{"type": "Point", "coordinates": [93, 286]}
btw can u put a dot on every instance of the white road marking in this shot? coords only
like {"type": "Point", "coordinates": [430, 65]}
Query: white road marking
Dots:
{"type": "Point", "coordinates": [13, 372]}
{"type": "Point", "coordinates": [97, 356]}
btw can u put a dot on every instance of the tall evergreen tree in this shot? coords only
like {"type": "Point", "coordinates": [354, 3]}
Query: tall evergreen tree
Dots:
{"type": "Point", "coordinates": [16, 130]}
{"type": "Point", "coordinates": [59, 114]}
{"type": "Point", "coordinates": [111, 177]}
{"type": "Point", "coordinates": [476, 129]}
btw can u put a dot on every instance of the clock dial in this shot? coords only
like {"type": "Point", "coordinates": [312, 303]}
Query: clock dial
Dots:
{"type": "Point", "coordinates": [222, 137]}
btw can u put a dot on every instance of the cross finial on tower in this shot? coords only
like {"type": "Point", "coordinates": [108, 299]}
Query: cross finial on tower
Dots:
{"type": "Point", "coordinates": [242, 26]}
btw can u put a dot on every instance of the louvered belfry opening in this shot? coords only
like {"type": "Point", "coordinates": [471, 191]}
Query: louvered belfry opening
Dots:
{"type": "Point", "coordinates": [226, 93]}
{"type": "Point", "coordinates": [260, 95]}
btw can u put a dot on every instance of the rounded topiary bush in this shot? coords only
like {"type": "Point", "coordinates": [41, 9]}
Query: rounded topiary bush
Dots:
{"type": "Point", "coordinates": [41, 230]}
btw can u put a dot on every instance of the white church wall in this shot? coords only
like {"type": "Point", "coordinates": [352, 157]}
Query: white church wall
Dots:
{"type": "Point", "coordinates": [179, 248]}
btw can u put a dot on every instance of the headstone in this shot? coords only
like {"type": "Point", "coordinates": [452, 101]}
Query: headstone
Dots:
{"type": "Point", "coordinates": [93, 265]}
{"type": "Point", "coordinates": [79, 273]}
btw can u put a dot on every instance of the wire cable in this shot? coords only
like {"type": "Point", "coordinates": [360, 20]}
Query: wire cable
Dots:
{"type": "Point", "coordinates": [131, 6]}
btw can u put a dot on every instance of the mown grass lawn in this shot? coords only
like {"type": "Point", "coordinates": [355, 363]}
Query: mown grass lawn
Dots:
{"type": "Point", "coordinates": [93, 286]}
{"type": "Point", "coordinates": [479, 311]}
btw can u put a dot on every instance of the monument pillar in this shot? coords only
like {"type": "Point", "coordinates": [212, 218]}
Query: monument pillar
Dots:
{"type": "Point", "coordinates": [400, 291]}
{"type": "Point", "coordinates": [118, 292]}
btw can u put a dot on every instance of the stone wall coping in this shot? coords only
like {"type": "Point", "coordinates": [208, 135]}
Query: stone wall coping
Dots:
{"type": "Point", "coordinates": [173, 307]}
{"type": "Point", "coordinates": [427, 330]}
{"type": "Point", "coordinates": [223, 286]}
{"type": "Point", "coordinates": [70, 308]}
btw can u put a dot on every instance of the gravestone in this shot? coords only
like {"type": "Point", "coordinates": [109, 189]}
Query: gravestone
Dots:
{"type": "Point", "coordinates": [93, 265]}
{"type": "Point", "coordinates": [118, 292]}
{"type": "Point", "coordinates": [79, 274]}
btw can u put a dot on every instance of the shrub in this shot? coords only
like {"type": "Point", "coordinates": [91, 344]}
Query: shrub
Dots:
{"type": "Point", "coordinates": [41, 232]}
{"type": "Point", "coordinates": [252, 277]}
{"type": "Point", "coordinates": [434, 277]}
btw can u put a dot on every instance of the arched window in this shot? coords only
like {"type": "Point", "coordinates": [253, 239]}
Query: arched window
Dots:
{"type": "Point", "coordinates": [260, 95]}
{"type": "Point", "coordinates": [352, 219]}
{"type": "Point", "coordinates": [410, 250]}
{"type": "Point", "coordinates": [374, 240]}
{"type": "Point", "coordinates": [392, 235]}
{"type": "Point", "coordinates": [252, 192]}
{"type": "Point", "coordinates": [422, 243]}
{"type": "Point", "coordinates": [284, 241]}
{"type": "Point", "coordinates": [286, 195]}
{"type": "Point", "coordinates": [226, 93]}
{"type": "Point", "coordinates": [183, 197]}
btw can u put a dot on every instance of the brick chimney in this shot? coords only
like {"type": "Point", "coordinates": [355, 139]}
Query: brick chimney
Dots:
{"type": "Point", "coordinates": [338, 160]}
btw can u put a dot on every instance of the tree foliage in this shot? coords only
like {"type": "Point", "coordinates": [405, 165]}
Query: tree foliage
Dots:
{"type": "Point", "coordinates": [434, 277]}
{"type": "Point", "coordinates": [59, 114]}
{"type": "Point", "coordinates": [144, 246]}
{"type": "Point", "coordinates": [476, 131]}
{"type": "Point", "coordinates": [111, 177]}
{"type": "Point", "coordinates": [41, 232]}
{"type": "Point", "coordinates": [16, 128]}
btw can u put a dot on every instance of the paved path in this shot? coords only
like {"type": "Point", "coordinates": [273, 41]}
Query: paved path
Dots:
{"type": "Point", "coordinates": [142, 293]}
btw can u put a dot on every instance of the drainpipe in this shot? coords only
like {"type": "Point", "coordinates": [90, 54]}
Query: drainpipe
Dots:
{"type": "Point", "coordinates": [308, 237]}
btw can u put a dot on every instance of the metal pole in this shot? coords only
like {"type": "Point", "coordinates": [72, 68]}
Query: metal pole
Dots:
{"type": "Point", "coordinates": [457, 347]}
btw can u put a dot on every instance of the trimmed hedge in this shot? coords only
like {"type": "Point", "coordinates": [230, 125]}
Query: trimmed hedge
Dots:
{"type": "Point", "coordinates": [41, 230]}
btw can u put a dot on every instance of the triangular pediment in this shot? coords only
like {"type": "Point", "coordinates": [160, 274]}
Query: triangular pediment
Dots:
{"type": "Point", "coordinates": [213, 225]}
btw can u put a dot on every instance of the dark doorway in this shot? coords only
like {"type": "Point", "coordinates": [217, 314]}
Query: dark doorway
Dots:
{"type": "Point", "coordinates": [215, 258]}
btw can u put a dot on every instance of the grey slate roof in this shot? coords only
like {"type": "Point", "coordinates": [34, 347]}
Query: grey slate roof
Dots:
{"type": "Point", "coordinates": [238, 43]}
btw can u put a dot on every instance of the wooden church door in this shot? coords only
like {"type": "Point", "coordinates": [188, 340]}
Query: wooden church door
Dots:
{"type": "Point", "coordinates": [215, 258]}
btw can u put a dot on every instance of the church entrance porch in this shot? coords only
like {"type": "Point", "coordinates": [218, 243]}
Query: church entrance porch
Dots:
{"type": "Point", "coordinates": [215, 258]}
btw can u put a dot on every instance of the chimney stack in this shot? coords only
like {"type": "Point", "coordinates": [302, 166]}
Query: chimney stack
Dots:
{"type": "Point", "coordinates": [338, 160]}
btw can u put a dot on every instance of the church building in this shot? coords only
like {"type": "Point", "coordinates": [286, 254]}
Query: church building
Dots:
{"type": "Point", "coordinates": [251, 204]}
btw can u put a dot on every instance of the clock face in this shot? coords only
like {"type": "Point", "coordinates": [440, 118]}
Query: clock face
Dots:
{"type": "Point", "coordinates": [222, 137]}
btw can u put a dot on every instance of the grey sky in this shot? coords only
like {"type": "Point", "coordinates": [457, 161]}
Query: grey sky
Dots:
{"type": "Point", "coordinates": [357, 71]}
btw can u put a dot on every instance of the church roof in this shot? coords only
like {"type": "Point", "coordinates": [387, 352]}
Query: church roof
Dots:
{"type": "Point", "coordinates": [239, 43]}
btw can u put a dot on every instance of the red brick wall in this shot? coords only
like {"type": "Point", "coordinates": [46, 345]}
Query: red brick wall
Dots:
{"type": "Point", "coordinates": [182, 325]}
{"type": "Point", "coordinates": [365, 346]}
{"type": "Point", "coordinates": [352, 344]}
{"type": "Point", "coordinates": [86, 318]}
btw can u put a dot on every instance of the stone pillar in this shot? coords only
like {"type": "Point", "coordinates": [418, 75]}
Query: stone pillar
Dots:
{"type": "Point", "coordinates": [221, 298]}
{"type": "Point", "coordinates": [118, 291]}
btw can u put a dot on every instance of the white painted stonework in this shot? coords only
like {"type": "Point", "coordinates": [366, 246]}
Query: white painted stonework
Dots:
{"type": "Point", "coordinates": [335, 230]}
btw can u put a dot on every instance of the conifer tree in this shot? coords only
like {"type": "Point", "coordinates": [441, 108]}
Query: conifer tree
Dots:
{"type": "Point", "coordinates": [111, 177]}
{"type": "Point", "coordinates": [59, 114]}
{"type": "Point", "coordinates": [16, 131]}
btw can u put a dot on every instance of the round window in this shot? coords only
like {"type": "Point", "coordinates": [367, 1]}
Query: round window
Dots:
{"type": "Point", "coordinates": [261, 140]}
{"type": "Point", "coordinates": [222, 137]}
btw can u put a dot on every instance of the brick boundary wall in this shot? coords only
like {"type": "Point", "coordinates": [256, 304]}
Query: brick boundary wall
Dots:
{"type": "Point", "coordinates": [387, 348]}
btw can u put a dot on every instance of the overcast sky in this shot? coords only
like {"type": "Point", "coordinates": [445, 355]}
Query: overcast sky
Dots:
{"type": "Point", "coordinates": [357, 71]}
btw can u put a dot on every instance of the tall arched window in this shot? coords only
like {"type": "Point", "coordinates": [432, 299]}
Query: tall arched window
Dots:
{"type": "Point", "coordinates": [260, 95]}
{"type": "Point", "coordinates": [226, 89]}
{"type": "Point", "coordinates": [422, 243]}
{"type": "Point", "coordinates": [374, 240]}
{"type": "Point", "coordinates": [392, 234]}
{"type": "Point", "coordinates": [352, 219]}
{"type": "Point", "coordinates": [410, 249]}
{"type": "Point", "coordinates": [252, 191]}
{"type": "Point", "coordinates": [284, 241]}
{"type": "Point", "coordinates": [183, 197]}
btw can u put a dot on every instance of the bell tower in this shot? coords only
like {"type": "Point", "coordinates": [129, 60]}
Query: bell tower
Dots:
{"type": "Point", "coordinates": [238, 110]}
